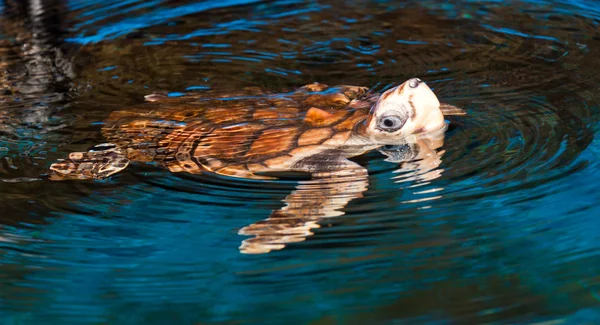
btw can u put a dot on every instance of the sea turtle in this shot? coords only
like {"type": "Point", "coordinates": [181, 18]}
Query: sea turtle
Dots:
{"type": "Point", "coordinates": [313, 129]}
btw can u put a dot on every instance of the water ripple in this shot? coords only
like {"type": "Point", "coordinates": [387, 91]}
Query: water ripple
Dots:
{"type": "Point", "coordinates": [498, 225]}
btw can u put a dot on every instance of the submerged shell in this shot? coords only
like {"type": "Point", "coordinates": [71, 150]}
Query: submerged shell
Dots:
{"type": "Point", "coordinates": [240, 136]}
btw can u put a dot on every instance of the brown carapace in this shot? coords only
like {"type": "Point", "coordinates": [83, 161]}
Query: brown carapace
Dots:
{"type": "Point", "coordinates": [314, 129]}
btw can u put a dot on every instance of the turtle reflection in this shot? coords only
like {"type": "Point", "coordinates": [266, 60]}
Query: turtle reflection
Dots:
{"type": "Point", "coordinates": [326, 194]}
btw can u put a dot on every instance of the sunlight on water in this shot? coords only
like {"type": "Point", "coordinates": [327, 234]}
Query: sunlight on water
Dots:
{"type": "Point", "coordinates": [493, 223]}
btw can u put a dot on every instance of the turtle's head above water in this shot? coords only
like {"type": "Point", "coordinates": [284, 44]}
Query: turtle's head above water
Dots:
{"type": "Point", "coordinates": [407, 109]}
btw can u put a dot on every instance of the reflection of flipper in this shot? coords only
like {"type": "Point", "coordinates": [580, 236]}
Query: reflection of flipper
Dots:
{"type": "Point", "coordinates": [321, 197]}
{"type": "Point", "coordinates": [99, 162]}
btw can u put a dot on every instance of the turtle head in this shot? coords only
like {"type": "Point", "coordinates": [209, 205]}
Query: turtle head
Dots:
{"type": "Point", "coordinates": [407, 109]}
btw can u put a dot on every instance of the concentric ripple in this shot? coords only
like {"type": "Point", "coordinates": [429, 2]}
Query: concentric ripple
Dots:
{"type": "Point", "coordinates": [527, 142]}
{"type": "Point", "coordinates": [496, 223]}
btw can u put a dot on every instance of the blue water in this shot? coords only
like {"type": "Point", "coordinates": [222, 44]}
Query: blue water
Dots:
{"type": "Point", "coordinates": [504, 231]}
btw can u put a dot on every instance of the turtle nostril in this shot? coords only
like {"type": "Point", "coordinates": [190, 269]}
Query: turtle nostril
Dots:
{"type": "Point", "coordinates": [414, 82]}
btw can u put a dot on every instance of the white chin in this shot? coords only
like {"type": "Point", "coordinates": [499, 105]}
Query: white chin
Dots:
{"type": "Point", "coordinates": [438, 129]}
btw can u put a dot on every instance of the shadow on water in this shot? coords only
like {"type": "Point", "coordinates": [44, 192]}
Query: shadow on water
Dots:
{"type": "Point", "coordinates": [500, 228]}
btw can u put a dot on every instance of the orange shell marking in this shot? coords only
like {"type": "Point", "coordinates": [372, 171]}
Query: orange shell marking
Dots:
{"type": "Point", "coordinates": [318, 117]}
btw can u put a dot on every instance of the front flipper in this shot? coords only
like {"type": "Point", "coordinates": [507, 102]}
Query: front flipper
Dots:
{"type": "Point", "coordinates": [321, 197]}
{"type": "Point", "coordinates": [99, 162]}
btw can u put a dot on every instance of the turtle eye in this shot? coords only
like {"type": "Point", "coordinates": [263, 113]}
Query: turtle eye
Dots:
{"type": "Point", "coordinates": [390, 123]}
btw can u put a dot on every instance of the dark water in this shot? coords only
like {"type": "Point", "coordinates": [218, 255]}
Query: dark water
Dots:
{"type": "Point", "coordinates": [503, 231]}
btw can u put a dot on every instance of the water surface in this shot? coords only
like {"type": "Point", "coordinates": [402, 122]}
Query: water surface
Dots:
{"type": "Point", "coordinates": [503, 231]}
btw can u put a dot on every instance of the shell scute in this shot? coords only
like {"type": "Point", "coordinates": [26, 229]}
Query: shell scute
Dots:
{"type": "Point", "coordinates": [256, 167]}
{"type": "Point", "coordinates": [214, 163]}
{"type": "Point", "coordinates": [270, 115]}
{"type": "Point", "coordinates": [314, 87]}
{"type": "Point", "coordinates": [228, 142]}
{"type": "Point", "coordinates": [265, 114]}
{"type": "Point", "coordinates": [327, 100]}
{"type": "Point", "coordinates": [305, 151]}
{"type": "Point", "coordinates": [350, 122]}
{"type": "Point", "coordinates": [317, 117]}
{"type": "Point", "coordinates": [226, 115]}
{"type": "Point", "coordinates": [338, 138]}
{"type": "Point", "coordinates": [273, 142]}
{"type": "Point", "coordinates": [234, 170]}
{"type": "Point", "coordinates": [279, 162]}
{"type": "Point", "coordinates": [314, 136]}
{"type": "Point", "coordinates": [353, 92]}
